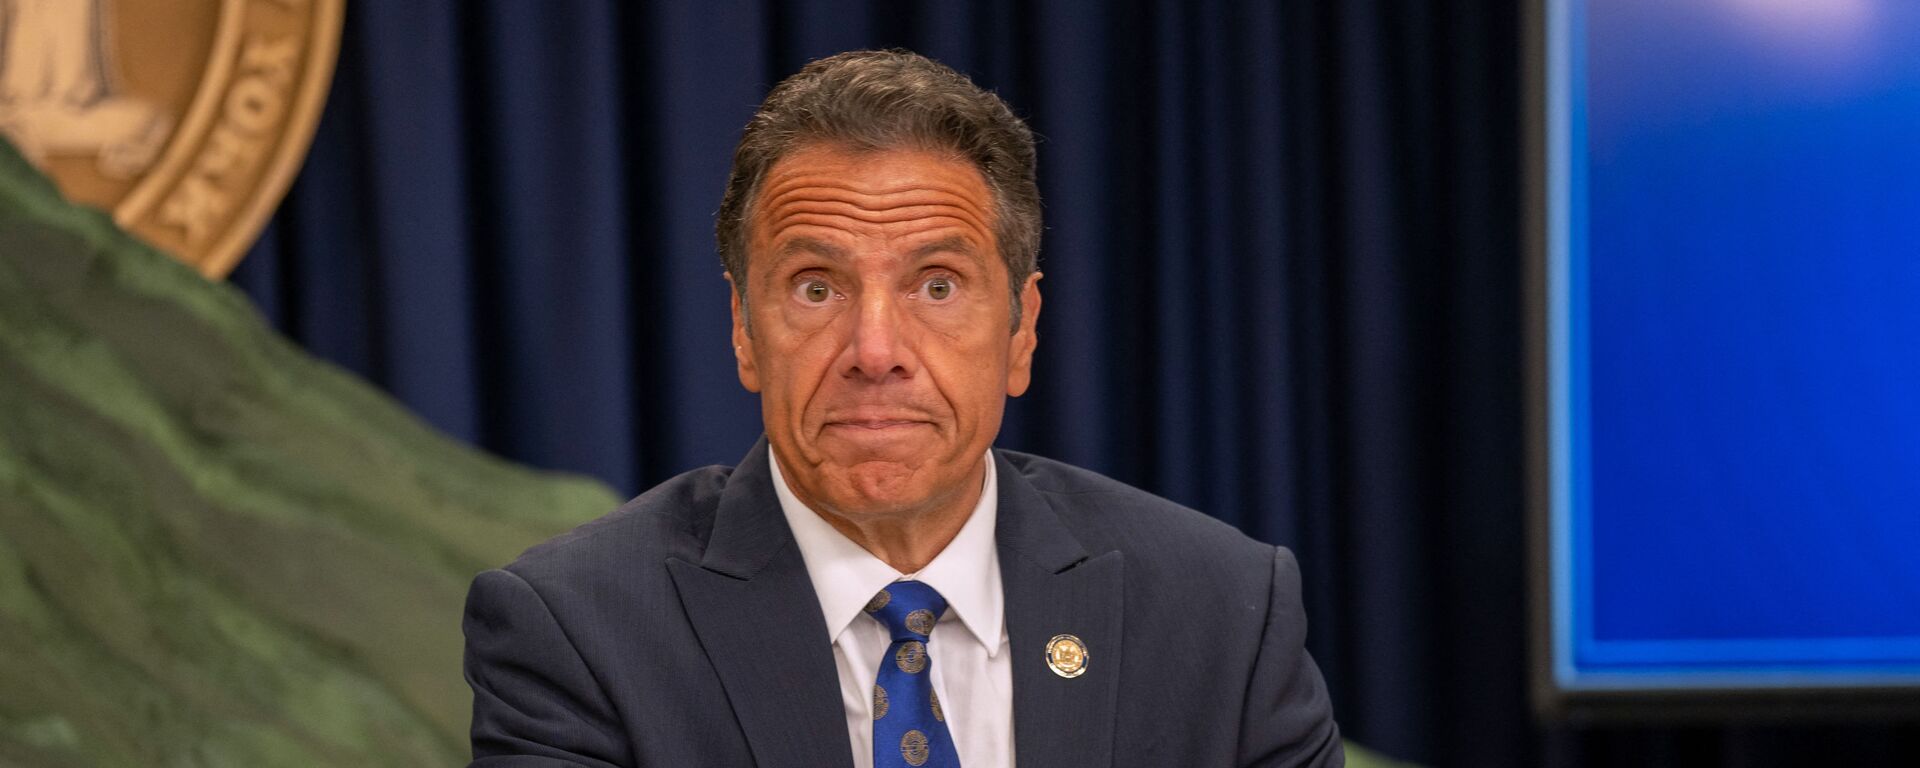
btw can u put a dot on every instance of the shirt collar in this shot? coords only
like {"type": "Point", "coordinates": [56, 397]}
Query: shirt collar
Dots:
{"type": "Point", "coordinates": [845, 575]}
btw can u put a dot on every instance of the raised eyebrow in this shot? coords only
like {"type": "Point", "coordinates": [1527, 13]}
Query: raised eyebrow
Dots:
{"type": "Point", "coordinates": [956, 244]}
{"type": "Point", "coordinates": [807, 245]}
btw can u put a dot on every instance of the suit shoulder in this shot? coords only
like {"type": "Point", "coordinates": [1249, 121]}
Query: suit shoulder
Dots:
{"type": "Point", "coordinates": [1108, 514]}
{"type": "Point", "coordinates": [672, 519]}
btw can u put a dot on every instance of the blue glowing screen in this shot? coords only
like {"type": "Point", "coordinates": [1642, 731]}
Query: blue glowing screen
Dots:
{"type": "Point", "coordinates": [1735, 331]}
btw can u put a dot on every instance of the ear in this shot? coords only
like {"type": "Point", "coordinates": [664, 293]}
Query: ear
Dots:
{"type": "Point", "coordinates": [742, 342]}
{"type": "Point", "coordinates": [1020, 345]}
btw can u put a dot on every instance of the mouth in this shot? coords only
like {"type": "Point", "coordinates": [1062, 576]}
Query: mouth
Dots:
{"type": "Point", "coordinates": [877, 429]}
{"type": "Point", "coordinates": [875, 425]}
{"type": "Point", "coordinates": [876, 417]}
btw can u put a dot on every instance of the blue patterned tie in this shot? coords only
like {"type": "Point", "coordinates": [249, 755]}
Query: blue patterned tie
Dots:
{"type": "Point", "coordinates": [908, 727]}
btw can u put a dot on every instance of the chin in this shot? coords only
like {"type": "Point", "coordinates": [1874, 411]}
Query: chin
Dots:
{"type": "Point", "coordinates": [883, 488]}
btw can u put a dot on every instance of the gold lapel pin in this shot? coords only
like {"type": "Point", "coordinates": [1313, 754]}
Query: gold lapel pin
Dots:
{"type": "Point", "coordinates": [1067, 656]}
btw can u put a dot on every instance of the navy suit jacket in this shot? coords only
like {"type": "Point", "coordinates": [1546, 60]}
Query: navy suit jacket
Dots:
{"type": "Point", "coordinates": [682, 630]}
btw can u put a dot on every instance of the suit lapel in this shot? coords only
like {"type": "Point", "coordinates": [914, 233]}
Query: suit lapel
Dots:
{"type": "Point", "coordinates": [1054, 587]}
{"type": "Point", "coordinates": [755, 612]}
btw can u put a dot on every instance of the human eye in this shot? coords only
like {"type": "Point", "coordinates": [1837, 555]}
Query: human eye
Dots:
{"type": "Point", "coordinates": [812, 290]}
{"type": "Point", "coordinates": [938, 288]}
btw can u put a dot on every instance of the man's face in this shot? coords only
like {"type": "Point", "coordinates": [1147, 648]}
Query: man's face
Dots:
{"type": "Point", "coordinates": [880, 343]}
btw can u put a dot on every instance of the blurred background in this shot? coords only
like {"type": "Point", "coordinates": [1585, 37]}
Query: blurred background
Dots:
{"type": "Point", "coordinates": [1288, 267]}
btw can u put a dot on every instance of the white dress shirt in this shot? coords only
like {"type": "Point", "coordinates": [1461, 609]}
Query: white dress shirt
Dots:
{"type": "Point", "coordinates": [971, 673]}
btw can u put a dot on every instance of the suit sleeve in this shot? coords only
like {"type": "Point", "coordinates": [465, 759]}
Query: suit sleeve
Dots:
{"type": "Point", "coordinates": [535, 703]}
{"type": "Point", "coordinates": [1288, 717]}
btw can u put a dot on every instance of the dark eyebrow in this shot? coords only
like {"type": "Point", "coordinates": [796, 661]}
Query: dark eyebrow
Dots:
{"type": "Point", "coordinates": [803, 246]}
{"type": "Point", "coordinates": [956, 244]}
{"type": "Point", "coordinates": [810, 245]}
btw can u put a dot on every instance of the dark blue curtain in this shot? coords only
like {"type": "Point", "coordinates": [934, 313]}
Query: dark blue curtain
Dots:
{"type": "Point", "coordinates": [1282, 286]}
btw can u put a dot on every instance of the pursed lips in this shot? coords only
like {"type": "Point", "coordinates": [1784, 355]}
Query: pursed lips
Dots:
{"type": "Point", "coordinates": [877, 421]}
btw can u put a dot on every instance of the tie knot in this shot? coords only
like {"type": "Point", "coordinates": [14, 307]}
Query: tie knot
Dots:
{"type": "Point", "coordinates": [909, 609]}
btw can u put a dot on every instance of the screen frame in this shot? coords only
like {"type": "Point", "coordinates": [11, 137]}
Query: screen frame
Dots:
{"type": "Point", "coordinates": [1552, 701]}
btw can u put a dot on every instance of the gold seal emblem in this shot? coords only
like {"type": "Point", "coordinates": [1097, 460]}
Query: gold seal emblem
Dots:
{"type": "Point", "coordinates": [187, 119]}
{"type": "Point", "coordinates": [912, 657]}
{"type": "Point", "coordinates": [879, 702]}
{"type": "Point", "coordinates": [1067, 656]}
{"type": "Point", "coordinates": [934, 699]}
{"type": "Point", "coordinates": [920, 622]}
{"type": "Point", "coordinates": [879, 601]}
{"type": "Point", "coordinates": [913, 748]}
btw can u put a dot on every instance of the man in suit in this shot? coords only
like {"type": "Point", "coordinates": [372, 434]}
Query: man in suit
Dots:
{"type": "Point", "coordinates": [874, 584]}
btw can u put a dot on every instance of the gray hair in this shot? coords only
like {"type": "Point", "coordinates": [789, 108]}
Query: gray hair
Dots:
{"type": "Point", "coordinates": [879, 100]}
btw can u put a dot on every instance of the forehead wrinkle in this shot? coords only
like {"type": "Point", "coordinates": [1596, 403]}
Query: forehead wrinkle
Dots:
{"type": "Point", "coordinates": [895, 206]}
{"type": "Point", "coordinates": [954, 236]}
{"type": "Point", "coordinates": [829, 212]}
{"type": "Point", "coordinates": [861, 178]}
{"type": "Point", "coordinates": [857, 220]}
{"type": "Point", "coordinates": [856, 198]}
{"type": "Point", "coordinates": [868, 182]}
{"type": "Point", "coordinates": [961, 181]}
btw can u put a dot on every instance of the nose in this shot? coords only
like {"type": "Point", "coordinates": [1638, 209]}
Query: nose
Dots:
{"type": "Point", "coordinates": [881, 345]}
